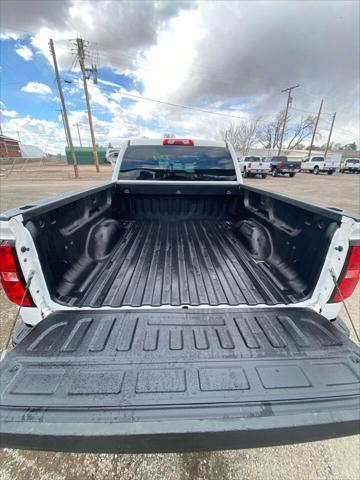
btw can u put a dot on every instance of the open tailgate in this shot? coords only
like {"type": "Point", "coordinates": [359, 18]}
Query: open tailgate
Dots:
{"type": "Point", "coordinates": [159, 381]}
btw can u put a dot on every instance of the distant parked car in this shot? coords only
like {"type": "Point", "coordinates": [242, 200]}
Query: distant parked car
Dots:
{"type": "Point", "coordinates": [111, 155]}
{"type": "Point", "coordinates": [317, 164]}
{"type": "Point", "coordinates": [351, 165]}
{"type": "Point", "coordinates": [253, 165]}
{"type": "Point", "coordinates": [282, 165]}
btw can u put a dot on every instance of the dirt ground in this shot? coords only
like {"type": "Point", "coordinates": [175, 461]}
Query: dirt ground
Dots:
{"type": "Point", "coordinates": [332, 459]}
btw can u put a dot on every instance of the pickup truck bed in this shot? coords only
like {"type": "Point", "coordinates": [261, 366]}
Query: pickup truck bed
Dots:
{"type": "Point", "coordinates": [231, 247]}
{"type": "Point", "coordinates": [182, 263]}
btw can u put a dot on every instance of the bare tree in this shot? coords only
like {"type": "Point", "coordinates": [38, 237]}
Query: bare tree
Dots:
{"type": "Point", "coordinates": [300, 131]}
{"type": "Point", "coordinates": [242, 135]}
{"type": "Point", "coordinates": [270, 133]}
{"type": "Point", "coordinates": [230, 134]}
{"type": "Point", "coordinates": [294, 134]}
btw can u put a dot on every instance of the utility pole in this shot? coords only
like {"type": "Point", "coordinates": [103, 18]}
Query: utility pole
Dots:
{"type": "Point", "coordinates": [64, 113]}
{"type": "Point", "coordinates": [63, 121]}
{"type": "Point", "coordinates": [289, 100]}
{"type": "Point", "coordinates": [18, 134]}
{"type": "Point", "coordinates": [81, 56]}
{"type": "Point", "coordinates": [330, 133]}
{"type": "Point", "coordinates": [78, 129]}
{"type": "Point", "coordinates": [315, 127]}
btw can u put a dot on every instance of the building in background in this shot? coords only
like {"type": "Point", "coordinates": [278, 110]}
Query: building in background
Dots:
{"type": "Point", "coordinates": [84, 155]}
{"type": "Point", "coordinates": [9, 147]}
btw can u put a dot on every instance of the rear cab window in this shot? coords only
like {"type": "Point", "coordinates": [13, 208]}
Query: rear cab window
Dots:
{"type": "Point", "coordinates": [279, 159]}
{"type": "Point", "coordinates": [177, 163]}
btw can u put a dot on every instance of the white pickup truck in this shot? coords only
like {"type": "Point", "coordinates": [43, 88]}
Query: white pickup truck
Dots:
{"type": "Point", "coordinates": [251, 166]}
{"type": "Point", "coordinates": [350, 165]}
{"type": "Point", "coordinates": [176, 309]}
{"type": "Point", "coordinates": [318, 164]}
{"type": "Point", "coordinates": [111, 155]}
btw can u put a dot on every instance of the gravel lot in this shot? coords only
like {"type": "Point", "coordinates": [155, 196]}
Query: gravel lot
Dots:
{"type": "Point", "coordinates": [331, 459]}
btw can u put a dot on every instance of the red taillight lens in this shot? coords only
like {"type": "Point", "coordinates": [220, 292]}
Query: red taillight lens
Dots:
{"type": "Point", "coordinates": [249, 165]}
{"type": "Point", "coordinates": [11, 278]}
{"type": "Point", "coordinates": [349, 277]}
{"type": "Point", "coordinates": [178, 141]}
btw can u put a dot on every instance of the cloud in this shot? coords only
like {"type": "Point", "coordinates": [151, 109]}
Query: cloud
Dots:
{"type": "Point", "coordinates": [240, 55]}
{"type": "Point", "coordinates": [9, 113]}
{"type": "Point", "coordinates": [265, 47]}
{"type": "Point", "coordinates": [49, 134]}
{"type": "Point", "coordinates": [45, 134]}
{"type": "Point", "coordinates": [228, 56]}
{"type": "Point", "coordinates": [37, 87]}
{"type": "Point", "coordinates": [26, 16]}
{"type": "Point", "coordinates": [24, 52]}
{"type": "Point", "coordinates": [132, 25]}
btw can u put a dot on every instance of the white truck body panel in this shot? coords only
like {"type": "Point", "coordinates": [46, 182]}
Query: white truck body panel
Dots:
{"type": "Point", "coordinates": [351, 165]}
{"type": "Point", "coordinates": [254, 165]}
{"type": "Point", "coordinates": [318, 163]}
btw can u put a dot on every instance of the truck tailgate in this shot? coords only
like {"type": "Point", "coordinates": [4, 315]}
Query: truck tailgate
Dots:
{"type": "Point", "coordinates": [155, 380]}
{"type": "Point", "coordinates": [293, 164]}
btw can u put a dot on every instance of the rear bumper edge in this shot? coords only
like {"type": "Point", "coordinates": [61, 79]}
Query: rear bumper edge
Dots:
{"type": "Point", "coordinates": [179, 436]}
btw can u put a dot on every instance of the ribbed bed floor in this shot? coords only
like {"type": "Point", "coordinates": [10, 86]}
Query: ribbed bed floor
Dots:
{"type": "Point", "coordinates": [182, 263]}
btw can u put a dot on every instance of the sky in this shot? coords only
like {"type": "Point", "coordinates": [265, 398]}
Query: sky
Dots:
{"type": "Point", "coordinates": [232, 58]}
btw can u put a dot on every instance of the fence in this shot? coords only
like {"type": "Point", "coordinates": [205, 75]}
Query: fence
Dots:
{"type": "Point", "coordinates": [9, 166]}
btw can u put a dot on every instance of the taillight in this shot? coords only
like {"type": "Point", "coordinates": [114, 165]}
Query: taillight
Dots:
{"type": "Point", "coordinates": [249, 166]}
{"type": "Point", "coordinates": [11, 277]}
{"type": "Point", "coordinates": [349, 276]}
{"type": "Point", "coordinates": [178, 141]}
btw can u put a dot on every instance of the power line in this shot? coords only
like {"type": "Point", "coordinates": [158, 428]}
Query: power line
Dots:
{"type": "Point", "coordinates": [306, 111]}
{"type": "Point", "coordinates": [139, 97]}
{"type": "Point", "coordinates": [177, 105]}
